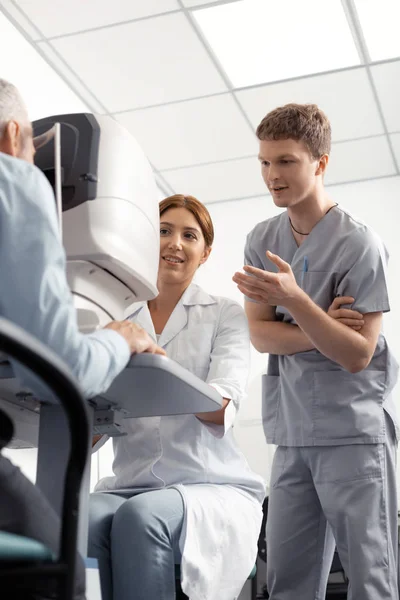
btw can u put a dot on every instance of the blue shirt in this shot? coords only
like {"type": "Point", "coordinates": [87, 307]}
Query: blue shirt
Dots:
{"type": "Point", "coordinates": [34, 291]}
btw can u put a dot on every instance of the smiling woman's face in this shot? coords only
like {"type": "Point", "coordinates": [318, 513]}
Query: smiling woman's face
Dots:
{"type": "Point", "coordinates": [182, 246]}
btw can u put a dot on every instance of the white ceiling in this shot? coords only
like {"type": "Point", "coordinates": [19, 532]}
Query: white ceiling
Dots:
{"type": "Point", "coordinates": [277, 47]}
{"type": "Point", "coordinates": [160, 69]}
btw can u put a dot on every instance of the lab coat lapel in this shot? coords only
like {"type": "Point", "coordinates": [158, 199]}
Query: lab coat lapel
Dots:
{"type": "Point", "coordinates": [179, 317]}
{"type": "Point", "coordinates": [175, 324]}
{"type": "Point", "coordinates": [178, 320]}
{"type": "Point", "coordinates": [141, 316]}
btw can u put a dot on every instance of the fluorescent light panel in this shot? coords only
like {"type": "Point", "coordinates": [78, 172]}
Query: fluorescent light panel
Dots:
{"type": "Point", "coordinates": [380, 22]}
{"type": "Point", "coordinates": [258, 41]}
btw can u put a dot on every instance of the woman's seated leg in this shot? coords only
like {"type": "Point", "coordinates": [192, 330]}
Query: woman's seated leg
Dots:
{"type": "Point", "coordinates": [102, 509]}
{"type": "Point", "coordinates": [145, 537]}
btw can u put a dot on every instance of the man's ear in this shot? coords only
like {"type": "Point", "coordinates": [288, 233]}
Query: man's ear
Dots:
{"type": "Point", "coordinates": [322, 164]}
{"type": "Point", "coordinates": [11, 139]}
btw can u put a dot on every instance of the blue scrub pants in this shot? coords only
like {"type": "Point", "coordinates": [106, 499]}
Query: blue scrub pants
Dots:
{"type": "Point", "coordinates": [333, 495]}
{"type": "Point", "coordinates": [136, 541]}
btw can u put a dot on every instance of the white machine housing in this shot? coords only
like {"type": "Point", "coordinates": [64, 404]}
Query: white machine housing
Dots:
{"type": "Point", "coordinates": [111, 239]}
{"type": "Point", "coordinates": [107, 202]}
{"type": "Point", "coordinates": [112, 242]}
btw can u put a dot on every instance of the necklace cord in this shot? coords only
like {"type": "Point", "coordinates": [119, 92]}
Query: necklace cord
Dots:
{"type": "Point", "coordinates": [299, 232]}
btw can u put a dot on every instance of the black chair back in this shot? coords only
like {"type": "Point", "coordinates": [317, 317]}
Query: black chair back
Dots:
{"type": "Point", "coordinates": [55, 374]}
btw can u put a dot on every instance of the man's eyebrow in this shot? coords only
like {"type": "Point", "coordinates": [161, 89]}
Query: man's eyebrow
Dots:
{"type": "Point", "coordinates": [287, 155]}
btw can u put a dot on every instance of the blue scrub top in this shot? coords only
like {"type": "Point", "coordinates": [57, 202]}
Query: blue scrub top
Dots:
{"type": "Point", "coordinates": [309, 400]}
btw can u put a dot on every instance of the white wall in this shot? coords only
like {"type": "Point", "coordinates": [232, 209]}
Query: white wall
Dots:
{"type": "Point", "coordinates": [376, 202]}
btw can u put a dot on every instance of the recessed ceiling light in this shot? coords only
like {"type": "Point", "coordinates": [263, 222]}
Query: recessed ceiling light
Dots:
{"type": "Point", "coordinates": [380, 22]}
{"type": "Point", "coordinates": [258, 41]}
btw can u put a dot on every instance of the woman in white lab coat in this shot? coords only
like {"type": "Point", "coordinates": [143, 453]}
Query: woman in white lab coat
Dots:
{"type": "Point", "coordinates": [182, 491]}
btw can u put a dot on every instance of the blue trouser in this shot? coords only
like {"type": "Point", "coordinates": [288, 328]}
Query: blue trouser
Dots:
{"type": "Point", "coordinates": [322, 496]}
{"type": "Point", "coordinates": [136, 541]}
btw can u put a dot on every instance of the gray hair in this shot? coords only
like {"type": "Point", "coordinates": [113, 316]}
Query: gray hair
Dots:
{"type": "Point", "coordinates": [12, 106]}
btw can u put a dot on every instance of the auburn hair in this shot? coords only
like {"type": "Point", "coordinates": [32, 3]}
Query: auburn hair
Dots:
{"type": "Point", "coordinates": [197, 209]}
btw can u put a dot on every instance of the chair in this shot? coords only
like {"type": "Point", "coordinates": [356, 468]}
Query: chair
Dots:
{"type": "Point", "coordinates": [24, 561]}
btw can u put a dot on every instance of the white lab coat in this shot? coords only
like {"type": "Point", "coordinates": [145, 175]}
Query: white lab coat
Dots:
{"type": "Point", "coordinates": [208, 335]}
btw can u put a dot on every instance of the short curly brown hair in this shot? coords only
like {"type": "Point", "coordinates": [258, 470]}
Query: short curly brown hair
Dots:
{"type": "Point", "coordinates": [306, 123]}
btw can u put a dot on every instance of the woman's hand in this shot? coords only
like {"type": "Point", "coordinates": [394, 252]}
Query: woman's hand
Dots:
{"type": "Point", "coordinates": [347, 316]}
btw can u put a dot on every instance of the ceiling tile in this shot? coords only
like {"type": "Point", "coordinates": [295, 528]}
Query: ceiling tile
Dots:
{"type": "Point", "coordinates": [380, 27]}
{"type": "Point", "coordinates": [346, 98]}
{"type": "Point", "coordinates": [13, 12]}
{"type": "Point", "coordinates": [192, 3]}
{"type": "Point", "coordinates": [387, 81]}
{"type": "Point", "coordinates": [259, 41]}
{"type": "Point", "coordinates": [360, 159]}
{"type": "Point", "coordinates": [396, 146]}
{"type": "Point", "coordinates": [44, 91]}
{"type": "Point", "coordinates": [219, 181]}
{"type": "Point", "coordinates": [142, 63]}
{"type": "Point", "coordinates": [161, 194]}
{"type": "Point", "coordinates": [57, 17]}
{"type": "Point", "coordinates": [188, 133]}
{"type": "Point", "coordinates": [73, 81]}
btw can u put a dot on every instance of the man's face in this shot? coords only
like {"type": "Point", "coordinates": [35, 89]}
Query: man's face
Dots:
{"type": "Point", "coordinates": [289, 171]}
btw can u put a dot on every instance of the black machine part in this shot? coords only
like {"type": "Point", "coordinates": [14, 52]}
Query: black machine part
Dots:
{"type": "Point", "coordinates": [80, 140]}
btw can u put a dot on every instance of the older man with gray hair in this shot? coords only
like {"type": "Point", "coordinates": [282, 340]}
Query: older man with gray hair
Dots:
{"type": "Point", "coordinates": [15, 127]}
{"type": "Point", "coordinates": [34, 294]}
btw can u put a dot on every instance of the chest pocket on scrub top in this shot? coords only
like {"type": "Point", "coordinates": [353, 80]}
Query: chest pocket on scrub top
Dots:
{"type": "Point", "coordinates": [319, 285]}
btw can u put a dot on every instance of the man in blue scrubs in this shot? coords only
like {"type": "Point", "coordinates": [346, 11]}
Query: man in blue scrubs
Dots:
{"type": "Point", "coordinates": [327, 401]}
{"type": "Point", "coordinates": [35, 295]}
